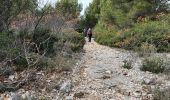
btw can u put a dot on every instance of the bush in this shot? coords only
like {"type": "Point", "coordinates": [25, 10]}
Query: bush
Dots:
{"type": "Point", "coordinates": [71, 39]}
{"type": "Point", "coordinates": [146, 49]}
{"type": "Point", "coordinates": [151, 32]}
{"type": "Point", "coordinates": [9, 46]}
{"type": "Point", "coordinates": [154, 32]}
{"type": "Point", "coordinates": [14, 46]}
{"type": "Point", "coordinates": [127, 64]}
{"type": "Point", "coordinates": [20, 63]}
{"type": "Point", "coordinates": [36, 49]}
{"type": "Point", "coordinates": [161, 94]}
{"type": "Point", "coordinates": [63, 63]}
{"type": "Point", "coordinates": [104, 34]}
{"type": "Point", "coordinates": [153, 64]}
{"type": "Point", "coordinates": [36, 43]}
{"type": "Point", "coordinates": [43, 37]}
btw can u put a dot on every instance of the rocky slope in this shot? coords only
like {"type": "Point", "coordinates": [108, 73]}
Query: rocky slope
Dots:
{"type": "Point", "coordinates": [101, 77]}
{"type": "Point", "coordinates": [98, 75]}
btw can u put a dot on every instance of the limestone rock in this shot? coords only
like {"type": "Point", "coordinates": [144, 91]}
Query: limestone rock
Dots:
{"type": "Point", "coordinates": [108, 72]}
{"type": "Point", "coordinates": [23, 97]}
{"type": "Point", "coordinates": [69, 97]}
{"type": "Point", "coordinates": [11, 77]}
{"type": "Point", "coordinates": [149, 81]}
{"type": "Point", "coordinates": [15, 96]}
{"type": "Point", "coordinates": [66, 86]}
{"type": "Point", "coordinates": [137, 94]}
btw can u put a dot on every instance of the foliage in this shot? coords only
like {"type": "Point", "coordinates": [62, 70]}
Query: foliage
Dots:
{"type": "Point", "coordinates": [92, 14]}
{"type": "Point", "coordinates": [9, 46]}
{"type": "Point", "coordinates": [153, 64]}
{"type": "Point", "coordinates": [63, 63]}
{"type": "Point", "coordinates": [121, 12]}
{"type": "Point", "coordinates": [10, 9]}
{"type": "Point", "coordinates": [146, 49]}
{"type": "Point", "coordinates": [130, 23]}
{"type": "Point", "coordinates": [127, 64]}
{"type": "Point", "coordinates": [104, 34]}
{"type": "Point", "coordinates": [114, 12]}
{"type": "Point", "coordinates": [161, 94]}
{"type": "Point", "coordinates": [44, 39]}
{"type": "Point", "coordinates": [71, 39]}
{"type": "Point", "coordinates": [34, 49]}
{"type": "Point", "coordinates": [69, 8]}
{"type": "Point", "coordinates": [152, 32]}
{"type": "Point", "coordinates": [48, 8]}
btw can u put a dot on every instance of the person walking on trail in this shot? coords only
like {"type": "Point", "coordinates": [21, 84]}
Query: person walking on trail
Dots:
{"type": "Point", "coordinates": [85, 32]}
{"type": "Point", "coordinates": [89, 33]}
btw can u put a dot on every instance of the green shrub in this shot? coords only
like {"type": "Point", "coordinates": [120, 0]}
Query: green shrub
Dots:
{"type": "Point", "coordinates": [63, 63]}
{"type": "Point", "coordinates": [127, 64]}
{"type": "Point", "coordinates": [71, 39]}
{"type": "Point", "coordinates": [151, 32]}
{"type": "Point", "coordinates": [43, 37]}
{"type": "Point", "coordinates": [20, 63]}
{"type": "Point", "coordinates": [161, 94]}
{"type": "Point", "coordinates": [9, 46]}
{"type": "Point", "coordinates": [13, 50]}
{"type": "Point", "coordinates": [104, 34]}
{"type": "Point", "coordinates": [27, 49]}
{"type": "Point", "coordinates": [45, 63]}
{"type": "Point", "coordinates": [146, 49]}
{"type": "Point", "coordinates": [153, 64]}
{"type": "Point", "coordinates": [154, 32]}
{"type": "Point", "coordinates": [33, 60]}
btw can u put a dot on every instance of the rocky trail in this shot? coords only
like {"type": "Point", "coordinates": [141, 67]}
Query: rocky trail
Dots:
{"type": "Point", "coordinates": [98, 75]}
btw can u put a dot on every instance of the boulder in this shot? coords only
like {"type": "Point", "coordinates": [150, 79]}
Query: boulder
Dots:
{"type": "Point", "coordinates": [149, 81]}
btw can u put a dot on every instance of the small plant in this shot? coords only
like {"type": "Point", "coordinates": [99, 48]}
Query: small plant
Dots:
{"type": "Point", "coordinates": [153, 64]}
{"type": "Point", "coordinates": [161, 94]}
{"type": "Point", "coordinates": [146, 49]}
{"type": "Point", "coordinates": [127, 64]}
{"type": "Point", "coordinates": [63, 63]}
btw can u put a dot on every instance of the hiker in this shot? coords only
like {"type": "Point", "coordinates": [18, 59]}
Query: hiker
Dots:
{"type": "Point", "coordinates": [85, 32]}
{"type": "Point", "coordinates": [89, 33]}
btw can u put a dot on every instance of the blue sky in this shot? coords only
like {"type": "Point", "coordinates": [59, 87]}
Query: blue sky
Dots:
{"type": "Point", "coordinates": [84, 2]}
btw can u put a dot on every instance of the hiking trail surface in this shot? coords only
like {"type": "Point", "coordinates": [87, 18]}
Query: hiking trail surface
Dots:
{"type": "Point", "coordinates": [99, 75]}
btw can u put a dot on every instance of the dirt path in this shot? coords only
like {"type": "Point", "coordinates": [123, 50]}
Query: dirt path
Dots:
{"type": "Point", "coordinates": [99, 76]}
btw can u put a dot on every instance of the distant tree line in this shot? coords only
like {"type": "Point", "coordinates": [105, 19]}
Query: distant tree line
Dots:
{"type": "Point", "coordinates": [130, 24]}
{"type": "Point", "coordinates": [120, 12]}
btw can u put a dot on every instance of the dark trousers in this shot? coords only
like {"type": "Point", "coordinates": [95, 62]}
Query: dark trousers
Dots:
{"type": "Point", "coordinates": [90, 36]}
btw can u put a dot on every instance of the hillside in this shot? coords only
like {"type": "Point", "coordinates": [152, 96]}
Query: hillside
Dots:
{"type": "Point", "coordinates": [99, 75]}
{"type": "Point", "coordinates": [130, 24]}
{"type": "Point", "coordinates": [45, 55]}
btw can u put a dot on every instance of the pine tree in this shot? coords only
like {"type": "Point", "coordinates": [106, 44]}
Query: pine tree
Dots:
{"type": "Point", "coordinates": [69, 8]}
